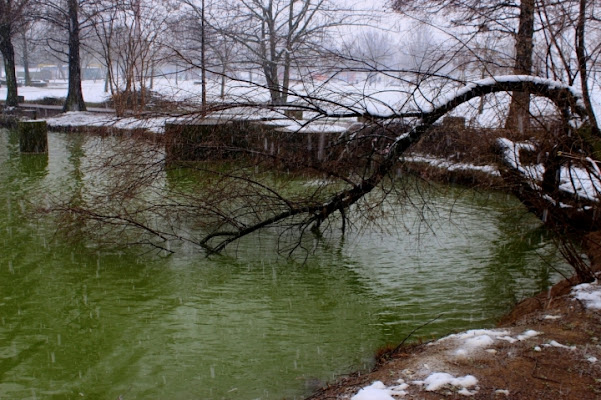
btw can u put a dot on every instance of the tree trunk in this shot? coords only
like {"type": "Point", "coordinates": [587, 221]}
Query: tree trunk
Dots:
{"type": "Point", "coordinates": [107, 79]}
{"type": "Point", "coordinates": [203, 60]}
{"type": "Point", "coordinates": [74, 101]}
{"type": "Point", "coordinates": [8, 53]}
{"type": "Point", "coordinates": [270, 63]}
{"type": "Point", "coordinates": [27, 76]}
{"type": "Point", "coordinates": [271, 77]}
{"type": "Point", "coordinates": [223, 72]}
{"type": "Point", "coordinates": [286, 79]}
{"type": "Point", "coordinates": [582, 67]}
{"type": "Point", "coordinates": [270, 68]}
{"type": "Point", "coordinates": [518, 117]}
{"type": "Point", "coordinates": [287, 55]}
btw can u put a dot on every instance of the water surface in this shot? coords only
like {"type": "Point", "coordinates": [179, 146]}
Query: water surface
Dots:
{"type": "Point", "coordinates": [78, 322]}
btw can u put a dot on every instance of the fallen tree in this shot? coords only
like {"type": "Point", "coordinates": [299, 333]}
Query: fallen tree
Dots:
{"type": "Point", "coordinates": [237, 201]}
{"type": "Point", "coordinates": [565, 99]}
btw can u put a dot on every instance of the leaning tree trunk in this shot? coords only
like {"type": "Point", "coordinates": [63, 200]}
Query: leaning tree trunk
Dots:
{"type": "Point", "coordinates": [8, 53]}
{"type": "Point", "coordinates": [518, 118]}
{"type": "Point", "coordinates": [74, 101]}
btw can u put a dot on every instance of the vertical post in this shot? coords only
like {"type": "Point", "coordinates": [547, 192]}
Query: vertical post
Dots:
{"type": "Point", "coordinates": [33, 136]}
{"type": "Point", "coordinates": [321, 146]}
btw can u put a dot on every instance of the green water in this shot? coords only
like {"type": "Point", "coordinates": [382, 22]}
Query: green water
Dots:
{"type": "Point", "coordinates": [76, 322]}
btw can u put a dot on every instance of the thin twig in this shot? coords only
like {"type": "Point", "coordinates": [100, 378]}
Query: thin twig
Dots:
{"type": "Point", "coordinates": [415, 330]}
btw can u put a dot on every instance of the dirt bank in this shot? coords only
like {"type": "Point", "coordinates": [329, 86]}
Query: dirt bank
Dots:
{"type": "Point", "coordinates": [548, 347]}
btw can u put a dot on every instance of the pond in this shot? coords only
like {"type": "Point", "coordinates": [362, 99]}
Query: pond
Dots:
{"type": "Point", "coordinates": [78, 322]}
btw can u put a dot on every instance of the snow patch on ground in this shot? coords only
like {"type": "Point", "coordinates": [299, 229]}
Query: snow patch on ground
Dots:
{"type": "Point", "coordinates": [438, 380]}
{"type": "Point", "coordinates": [379, 391]}
{"type": "Point", "coordinates": [433, 382]}
{"type": "Point", "coordinates": [511, 155]}
{"type": "Point", "coordinates": [460, 345]}
{"type": "Point", "coordinates": [157, 124]}
{"type": "Point", "coordinates": [554, 343]}
{"type": "Point", "coordinates": [527, 335]}
{"type": "Point", "coordinates": [79, 118]}
{"type": "Point", "coordinates": [476, 339]}
{"type": "Point", "coordinates": [589, 294]}
{"type": "Point", "coordinates": [452, 166]}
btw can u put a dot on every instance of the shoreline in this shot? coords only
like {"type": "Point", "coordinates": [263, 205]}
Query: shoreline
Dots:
{"type": "Point", "coordinates": [566, 340]}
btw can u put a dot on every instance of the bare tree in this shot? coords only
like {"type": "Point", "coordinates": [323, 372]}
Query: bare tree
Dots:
{"type": "Point", "coordinates": [106, 29]}
{"type": "Point", "coordinates": [371, 50]}
{"type": "Point", "coordinates": [12, 20]}
{"type": "Point", "coordinates": [68, 17]}
{"type": "Point", "coordinates": [583, 60]}
{"type": "Point", "coordinates": [195, 39]}
{"type": "Point", "coordinates": [568, 55]}
{"type": "Point", "coordinates": [131, 36]}
{"type": "Point", "coordinates": [518, 117]}
{"type": "Point", "coordinates": [27, 46]}
{"type": "Point", "coordinates": [559, 25]}
{"type": "Point", "coordinates": [418, 48]}
{"type": "Point", "coordinates": [486, 17]}
{"type": "Point", "coordinates": [276, 34]}
{"type": "Point", "coordinates": [225, 54]}
{"type": "Point", "coordinates": [25, 53]}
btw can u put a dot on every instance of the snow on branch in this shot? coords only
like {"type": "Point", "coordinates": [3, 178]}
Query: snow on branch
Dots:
{"type": "Point", "coordinates": [582, 181]}
{"type": "Point", "coordinates": [566, 99]}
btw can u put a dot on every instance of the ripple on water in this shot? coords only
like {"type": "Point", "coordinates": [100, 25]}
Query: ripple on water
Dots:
{"type": "Point", "coordinates": [258, 325]}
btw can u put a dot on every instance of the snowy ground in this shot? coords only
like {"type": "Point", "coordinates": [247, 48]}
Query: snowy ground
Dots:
{"type": "Point", "coordinates": [79, 119]}
{"type": "Point", "coordinates": [380, 97]}
{"type": "Point", "coordinates": [93, 91]}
